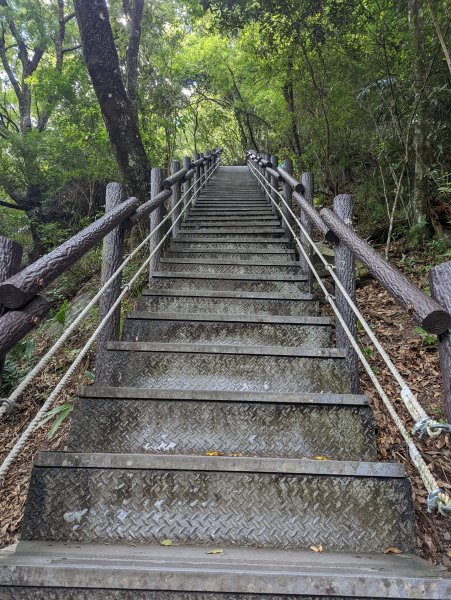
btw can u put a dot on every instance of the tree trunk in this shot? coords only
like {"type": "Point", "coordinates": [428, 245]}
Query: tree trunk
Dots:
{"type": "Point", "coordinates": [419, 206]}
{"type": "Point", "coordinates": [102, 60]}
{"type": "Point", "coordinates": [131, 60]}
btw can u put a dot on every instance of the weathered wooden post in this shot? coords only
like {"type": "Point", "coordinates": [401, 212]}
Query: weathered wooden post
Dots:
{"type": "Point", "coordinates": [175, 198]}
{"type": "Point", "coordinates": [10, 259]}
{"type": "Point", "coordinates": [208, 165]}
{"type": "Point", "coordinates": [196, 179]}
{"type": "Point", "coordinates": [259, 169]}
{"type": "Point", "coordinates": [440, 280]}
{"type": "Point", "coordinates": [274, 180]}
{"type": "Point", "coordinates": [345, 271]}
{"type": "Point", "coordinates": [267, 158]}
{"type": "Point", "coordinates": [202, 174]}
{"type": "Point", "coordinates": [112, 256]}
{"type": "Point", "coordinates": [308, 183]}
{"type": "Point", "coordinates": [287, 193]}
{"type": "Point", "coordinates": [187, 184]}
{"type": "Point", "coordinates": [156, 185]}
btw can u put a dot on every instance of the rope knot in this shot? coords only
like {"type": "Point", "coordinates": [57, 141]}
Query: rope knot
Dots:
{"type": "Point", "coordinates": [440, 501]}
{"type": "Point", "coordinates": [427, 425]}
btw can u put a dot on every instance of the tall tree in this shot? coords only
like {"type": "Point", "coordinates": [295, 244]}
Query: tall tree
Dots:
{"type": "Point", "coordinates": [102, 61]}
{"type": "Point", "coordinates": [21, 53]}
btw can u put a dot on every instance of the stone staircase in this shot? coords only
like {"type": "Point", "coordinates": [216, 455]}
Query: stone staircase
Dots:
{"type": "Point", "coordinates": [209, 427]}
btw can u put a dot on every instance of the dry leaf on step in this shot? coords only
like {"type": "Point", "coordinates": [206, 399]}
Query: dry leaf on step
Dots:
{"type": "Point", "coordinates": [392, 551]}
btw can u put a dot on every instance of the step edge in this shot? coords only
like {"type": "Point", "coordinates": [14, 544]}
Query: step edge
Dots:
{"type": "Point", "coordinates": [228, 276]}
{"type": "Point", "coordinates": [303, 398]}
{"type": "Point", "coordinates": [225, 262]}
{"type": "Point", "coordinates": [229, 349]}
{"type": "Point", "coordinates": [241, 464]}
{"type": "Point", "coordinates": [236, 571]}
{"type": "Point", "coordinates": [231, 318]}
{"type": "Point", "coordinates": [229, 294]}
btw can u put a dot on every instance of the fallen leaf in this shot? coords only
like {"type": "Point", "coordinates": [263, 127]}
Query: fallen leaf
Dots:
{"type": "Point", "coordinates": [319, 548]}
{"type": "Point", "coordinates": [320, 458]}
{"type": "Point", "coordinates": [215, 552]}
{"type": "Point", "coordinates": [213, 453]}
{"type": "Point", "coordinates": [392, 551]}
{"type": "Point", "coordinates": [166, 543]}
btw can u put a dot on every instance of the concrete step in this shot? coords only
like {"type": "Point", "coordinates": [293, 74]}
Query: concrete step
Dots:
{"type": "Point", "coordinates": [130, 420]}
{"type": "Point", "coordinates": [223, 265]}
{"type": "Point", "coordinates": [225, 302]}
{"type": "Point", "coordinates": [255, 330]}
{"type": "Point", "coordinates": [224, 367]}
{"type": "Point", "coordinates": [346, 506]}
{"type": "Point", "coordinates": [152, 572]}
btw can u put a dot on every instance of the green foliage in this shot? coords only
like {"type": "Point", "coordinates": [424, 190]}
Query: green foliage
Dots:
{"type": "Point", "coordinates": [427, 338]}
{"type": "Point", "coordinates": [59, 414]}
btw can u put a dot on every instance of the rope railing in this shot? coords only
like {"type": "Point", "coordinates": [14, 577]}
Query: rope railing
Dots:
{"type": "Point", "coordinates": [9, 402]}
{"type": "Point", "coordinates": [437, 498]}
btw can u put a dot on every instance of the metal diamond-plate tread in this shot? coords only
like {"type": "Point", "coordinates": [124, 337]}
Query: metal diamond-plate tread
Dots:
{"type": "Point", "coordinates": [205, 235]}
{"type": "Point", "coordinates": [190, 283]}
{"type": "Point", "coordinates": [23, 593]}
{"type": "Point", "coordinates": [232, 372]}
{"type": "Point", "coordinates": [226, 306]}
{"type": "Point", "coordinates": [244, 257]}
{"type": "Point", "coordinates": [171, 427]}
{"type": "Point", "coordinates": [238, 269]}
{"type": "Point", "coordinates": [367, 514]}
{"type": "Point", "coordinates": [228, 245]}
{"type": "Point", "coordinates": [256, 334]}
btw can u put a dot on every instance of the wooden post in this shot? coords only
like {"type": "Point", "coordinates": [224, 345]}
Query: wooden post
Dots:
{"type": "Point", "coordinates": [345, 271]}
{"type": "Point", "coordinates": [273, 180]}
{"type": "Point", "coordinates": [10, 259]}
{"type": "Point", "coordinates": [112, 256]}
{"type": "Point", "coordinates": [176, 195]}
{"type": "Point", "coordinates": [287, 193]}
{"type": "Point", "coordinates": [202, 174]}
{"type": "Point", "coordinates": [196, 179]}
{"type": "Point", "coordinates": [308, 183]}
{"type": "Point", "coordinates": [440, 280]}
{"type": "Point", "coordinates": [260, 170]}
{"type": "Point", "coordinates": [208, 165]}
{"type": "Point", "coordinates": [156, 216]}
{"type": "Point", "coordinates": [187, 184]}
{"type": "Point", "coordinates": [267, 157]}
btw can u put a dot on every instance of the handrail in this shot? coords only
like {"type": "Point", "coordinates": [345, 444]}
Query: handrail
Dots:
{"type": "Point", "coordinates": [20, 292]}
{"type": "Point", "coordinates": [425, 310]}
{"type": "Point", "coordinates": [19, 289]}
{"type": "Point", "coordinates": [175, 178]}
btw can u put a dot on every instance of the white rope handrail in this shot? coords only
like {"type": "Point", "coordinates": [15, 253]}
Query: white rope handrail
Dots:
{"type": "Point", "coordinates": [413, 406]}
{"type": "Point", "coordinates": [8, 403]}
{"type": "Point", "coordinates": [34, 424]}
{"type": "Point", "coordinates": [437, 498]}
